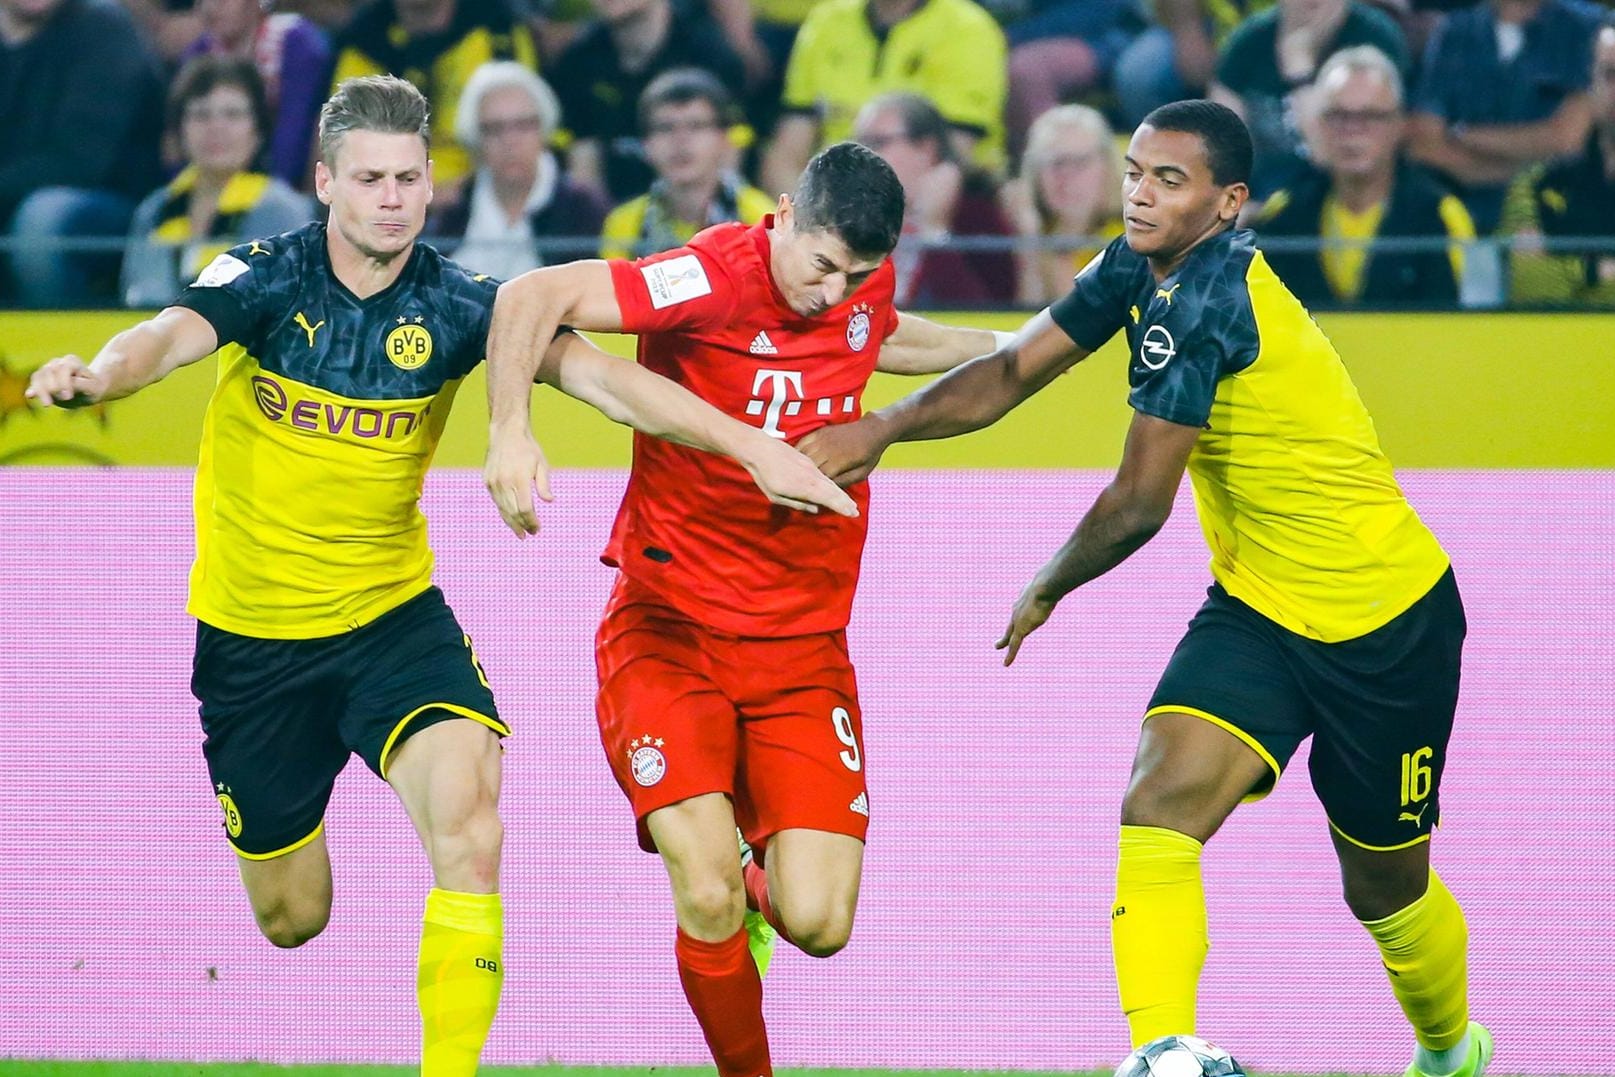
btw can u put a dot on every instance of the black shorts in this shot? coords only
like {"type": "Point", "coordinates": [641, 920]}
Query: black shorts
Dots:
{"type": "Point", "coordinates": [281, 717]}
{"type": "Point", "coordinates": [1379, 707]}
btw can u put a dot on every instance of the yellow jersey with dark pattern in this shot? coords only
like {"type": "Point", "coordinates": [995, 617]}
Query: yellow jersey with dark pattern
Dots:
{"type": "Point", "coordinates": [1303, 514]}
{"type": "Point", "coordinates": [316, 441]}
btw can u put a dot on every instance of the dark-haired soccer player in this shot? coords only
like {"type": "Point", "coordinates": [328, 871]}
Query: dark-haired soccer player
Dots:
{"type": "Point", "coordinates": [725, 689]}
{"type": "Point", "coordinates": [1334, 613]}
{"type": "Point", "coordinates": [319, 631]}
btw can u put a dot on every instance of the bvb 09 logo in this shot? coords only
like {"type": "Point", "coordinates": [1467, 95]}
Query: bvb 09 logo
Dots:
{"type": "Point", "coordinates": [409, 346]}
{"type": "Point", "coordinates": [232, 815]}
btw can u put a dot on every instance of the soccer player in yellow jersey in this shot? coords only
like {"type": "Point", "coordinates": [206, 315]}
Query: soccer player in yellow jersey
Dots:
{"type": "Point", "coordinates": [319, 631]}
{"type": "Point", "coordinates": [1334, 613]}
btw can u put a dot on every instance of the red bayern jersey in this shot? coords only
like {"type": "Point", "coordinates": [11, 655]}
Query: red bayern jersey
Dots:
{"type": "Point", "coordinates": [692, 526]}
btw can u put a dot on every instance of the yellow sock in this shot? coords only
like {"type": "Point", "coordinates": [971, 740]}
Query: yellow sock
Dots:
{"type": "Point", "coordinates": [1158, 931]}
{"type": "Point", "coordinates": [461, 972]}
{"type": "Point", "coordinates": [1423, 947]}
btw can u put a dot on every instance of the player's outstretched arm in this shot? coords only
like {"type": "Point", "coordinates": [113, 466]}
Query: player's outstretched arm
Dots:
{"type": "Point", "coordinates": [918, 346]}
{"type": "Point", "coordinates": [130, 361]}
{"type": "Point", "coordinates": [628, 393]}
{"type": "Point", "coordinates": [526, 314]}
{"type": "Point", "coordinates": [972, 396]}
{"type": "Point", "coordinates": [1125, 516]}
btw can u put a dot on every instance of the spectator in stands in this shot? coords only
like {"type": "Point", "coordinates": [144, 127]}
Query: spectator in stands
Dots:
{"type": "Point", "coordinates": [1574, 199]}
{"type": "Point", "coordinates": [849, 51]}
{"type": "Point", "coordinates": [1062, 49]}
{"type": "Point", "coordinates": [686, 115]}
{"type": "Point", "coordinates": [436, 44]}
{"type": "Point", "coordinates": [1272, 57]}
{"type": "Point", "coordinates": [1070, 188]}
{"type": "Point", "coordinates": [602, 76]}
{"type": "Point", "coordinates": [218, 112]}
{"type": "Point", "coordinates": [519, 200]}
{"type": "Point", "coordinates": [1361, 191]}
{"type": "Point", "coordinates": [945, 198]}
{"type": "Point", "coordinates": [1504, 86]}
{"type": "Point", "coordinates": [80, 125]}
{"type": "Point", "coordinates": [1175, 57]}
{"type": "Point", "coordinates": [293, 58]}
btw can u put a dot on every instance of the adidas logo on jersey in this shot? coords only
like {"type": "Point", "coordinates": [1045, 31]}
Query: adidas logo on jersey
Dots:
{"type": "Point", "coordinates": [860, 804]}
{"type": "Point", "coordinates": [761, 345]}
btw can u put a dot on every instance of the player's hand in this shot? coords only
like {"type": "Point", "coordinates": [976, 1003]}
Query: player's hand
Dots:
{"type": "Point", "coordinates": [788, 478]}
{"type": "Point", "coordinates": [514, 468]}
{"type": "Point", "coordinates": [1031, 610]}
{"type": "Point", "coordinates": [65, 382]}
{"type": "Point", "coordinates": [847, 452]}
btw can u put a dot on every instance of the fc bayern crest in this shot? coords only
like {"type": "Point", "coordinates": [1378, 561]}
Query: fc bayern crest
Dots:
{"type": "Point", "coordinates": [858, 328]}
{"type": "Point", "coordinates": [646, 761]}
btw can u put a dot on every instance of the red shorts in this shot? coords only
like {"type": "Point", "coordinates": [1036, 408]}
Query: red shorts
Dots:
{"type": "Point", "coordinates": [772, 722]}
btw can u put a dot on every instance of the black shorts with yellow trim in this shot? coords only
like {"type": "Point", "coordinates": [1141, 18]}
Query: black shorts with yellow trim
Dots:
{"type": "Point", "coordinates": [281, 717]}
{"type": "Point", "coordinates": [1379, 707]}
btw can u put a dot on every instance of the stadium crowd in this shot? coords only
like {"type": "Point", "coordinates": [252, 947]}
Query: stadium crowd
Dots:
{"type": "Point", "coordinates": [1414, 153]}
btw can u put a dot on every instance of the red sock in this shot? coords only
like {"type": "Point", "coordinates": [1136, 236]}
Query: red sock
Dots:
{"type": "Point", "coordinates": [756, 880]}
{"type": "Point", "coordinates": [727, 996]}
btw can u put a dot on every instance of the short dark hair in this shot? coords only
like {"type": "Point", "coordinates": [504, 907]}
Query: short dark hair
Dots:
{"type": "Point", "coordinates": [680, 86]}
{"type": "Point", "coordinates": [851, 191]}
{"type": "Point", "coordinates": [207, 73]}
{"type": "Point", "coordinates": [1224, 134]}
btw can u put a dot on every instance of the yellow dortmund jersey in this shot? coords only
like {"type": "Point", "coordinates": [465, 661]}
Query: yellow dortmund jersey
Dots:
{"type": "Point", "coordinates": [1304, 517]}
{"type": "Point", "coordinates": [440, 64]}
{"type": "Point", "coordinates": [949, 50]}
{"type": "Point", "coordinates": [326, 414]}
{"type": "Point", "coordinates": [641, 227]}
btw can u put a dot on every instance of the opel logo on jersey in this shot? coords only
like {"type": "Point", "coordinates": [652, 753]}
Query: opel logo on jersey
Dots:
{"type": "Point", "coordinates": [1157, 348]}
{"type": "Point", "coordinates": [858, 328]}
{"type": "Point", "coordinates": [409, 346]}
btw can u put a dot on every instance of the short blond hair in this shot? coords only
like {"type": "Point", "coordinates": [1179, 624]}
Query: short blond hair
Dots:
{"type": "Point", "coordinates": [384, 103]}
{"type": "Point", "coordinates": [1043, 143]}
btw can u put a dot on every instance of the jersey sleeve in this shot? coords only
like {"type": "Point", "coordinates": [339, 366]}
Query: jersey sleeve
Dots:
{"type": "Point", "coordinates": [230, 294]}
{"type": "Point", "coordinates": [474, 301]}
{"type": "Point", "coordinates": [1096, 306]}
{"type": "Point", "coordinates": [678, 289]}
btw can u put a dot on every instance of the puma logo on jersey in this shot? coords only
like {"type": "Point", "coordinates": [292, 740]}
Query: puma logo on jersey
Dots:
{"type": "Point", "coordinates": [1416, 820]}
{"type": "Point", "coordinates": [257, 248]}
{"type": "Point", "coordinates": [302, 323]}
{"type": "Point", "coordinates": [761, 345]}
{"type": "Point", "coordinates": [1166, 293]}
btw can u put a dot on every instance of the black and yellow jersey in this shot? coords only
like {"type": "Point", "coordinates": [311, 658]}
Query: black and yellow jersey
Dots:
{"type": "Point", "coordinates": [1304, 517]}
{"type": "Point", "coordinates": [316, 442]}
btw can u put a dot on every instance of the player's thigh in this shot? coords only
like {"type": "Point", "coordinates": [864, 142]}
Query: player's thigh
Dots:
{"type": "Point", "coordinates": [813, 880]}
{"type": "Point", "coordinates": [696, 839]}
{"type": "Point", "coordinates": [802, 759]}
{"type": "Point", "coordinates": [1385, 703]}
{"type": "Point", "coordinates": [669, 733]}
{"type": "Point", "coordinates": [413, 668]}
{"type": "Point", "coordinates": [1225, 718]}
{"type": "Point", "coordinates": [269, 718]}
{"type": "Point", "coordinates": [290, 892]}
{"type": "Point", "coordinates": [1379, 882]}
{"type": "Point", "coordinates": [447, 776]}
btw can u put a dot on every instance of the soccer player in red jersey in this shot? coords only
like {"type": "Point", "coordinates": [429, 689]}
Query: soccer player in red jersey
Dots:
{"type": "Point", "coordinates": [726, 693]}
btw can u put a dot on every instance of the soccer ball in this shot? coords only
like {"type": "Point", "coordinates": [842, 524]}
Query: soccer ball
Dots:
{"type": "Point", "coordinates": [1179, 1056]}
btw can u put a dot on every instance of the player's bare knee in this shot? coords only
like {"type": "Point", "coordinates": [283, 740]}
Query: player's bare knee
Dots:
{"type": "Point", "coordinates": [1169, 797]}
{"type": "Point", "coordinates": [713, 906]}
{"type": "Point", "coordinates": [465, 852]}
{"type": "Point", "coordinates": [822, 936]}
{"type": "Point", "coordinates": [1375, 894]}
{"type": "Point", "coordinates": [287, 926]}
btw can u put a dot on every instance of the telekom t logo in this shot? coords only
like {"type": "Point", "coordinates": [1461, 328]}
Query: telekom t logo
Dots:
{"type": "Point", "coordinates": [779, 392]}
